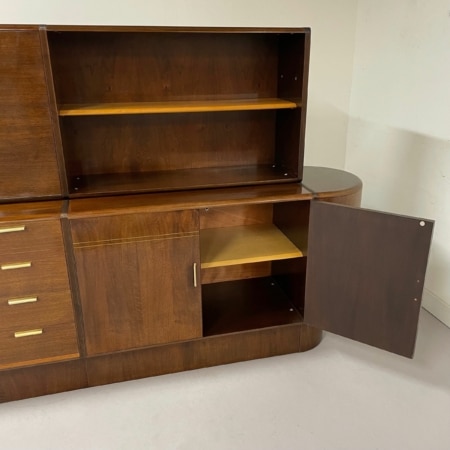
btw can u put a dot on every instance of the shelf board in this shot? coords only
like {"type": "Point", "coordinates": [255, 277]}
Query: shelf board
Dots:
{"type": "Point", "coordinates": [102, 109]}
{"type": "Point", "coordinates": [176, 180]}
{"type": "Point", "coordinates": [244, 244]}
{"type": "Point", "coordinates": [242, 305]}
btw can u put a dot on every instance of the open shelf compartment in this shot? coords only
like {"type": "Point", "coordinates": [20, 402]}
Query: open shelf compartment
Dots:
{"type": "Point", "coordinates": [245, 305]}
{"type": "Point", "coordinates": [253, 265]}
{"type": "Point", "coordinates": [167, 109]}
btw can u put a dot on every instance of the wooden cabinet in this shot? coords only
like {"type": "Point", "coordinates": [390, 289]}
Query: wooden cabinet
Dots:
{"type": "Point", "coordinates": [137, 275]}
{"type": "Point", "coordinates": [187, 232]}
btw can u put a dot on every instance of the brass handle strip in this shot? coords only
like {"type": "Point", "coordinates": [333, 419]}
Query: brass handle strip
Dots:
{"type": "Point", "coordinates": [21, 265]}
{"type": "Point", "coordinates": [12, 229]}
{"type": "Point", "coordinates": [21, 301]}
{"type": "Point", "coordinates": [194, 267]}
{"type": "Point", "coordinates": [20, 334]}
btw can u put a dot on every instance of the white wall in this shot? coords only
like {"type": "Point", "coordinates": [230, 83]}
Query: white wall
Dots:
{"type": "Point", "coordinates": [333, 29]}
{"type": "Point", "coordinates": [399, 131]}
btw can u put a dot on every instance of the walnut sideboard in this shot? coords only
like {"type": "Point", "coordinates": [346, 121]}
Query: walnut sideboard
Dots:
{"type": "Point", "coordinates": [155, 214]}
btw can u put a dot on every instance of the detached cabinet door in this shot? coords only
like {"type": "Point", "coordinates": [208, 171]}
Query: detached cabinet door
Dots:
{"type": "Point", "coordinates": [136, 279]}
{"type": "Point", "coordinates": [365, 274]}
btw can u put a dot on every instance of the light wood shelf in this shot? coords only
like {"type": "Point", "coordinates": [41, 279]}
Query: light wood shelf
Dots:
{"type": "Point", "coordinates": [100, 109]}
{"type": "Point", "coordinates": [244, 244]}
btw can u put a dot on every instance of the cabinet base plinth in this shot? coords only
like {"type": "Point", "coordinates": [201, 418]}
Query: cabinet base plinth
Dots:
{"type": "Point", "coordinates": [159, 360]}
{"type": "Point", "coordinates": [34, 381]}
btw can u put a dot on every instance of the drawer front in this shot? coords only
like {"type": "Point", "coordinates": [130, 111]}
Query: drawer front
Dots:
{"type": "Point", "coordinates": [27, 274]}
{"type": "Point", "coordinates": [45, 343]}
{"type": "Point", "coordinates": [30, 236]}
{"type": "Point", "coordinates": [35, 309]}
{"type": "Point", "coordinates": [133, 227]}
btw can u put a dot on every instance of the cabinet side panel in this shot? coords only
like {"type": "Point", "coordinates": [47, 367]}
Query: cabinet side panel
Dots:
{"type": "Point", "coordinates": [293, 68]}
{"type": "Point", "coordinates": [28, 165]}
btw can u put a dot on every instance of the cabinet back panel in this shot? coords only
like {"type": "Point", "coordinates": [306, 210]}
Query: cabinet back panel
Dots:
{"type": "Point", "coordinates": [127, 144]}
{"type": "Point", "coordinates": [131, 67]}
{"type": "Point", "coordinates": [233, 216]}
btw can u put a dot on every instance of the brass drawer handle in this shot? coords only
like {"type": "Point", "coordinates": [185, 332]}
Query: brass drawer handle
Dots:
{"type": "Point", "coordinates": [12, 266]}
{"type": "Point", "coordinates": [194, 269]}
{"type": "Point", "coordinates": [20, 334]}
{"type": "Point", "coordinates": [21, 301]}
{"type": "Point", "coordinates": [12, 229]}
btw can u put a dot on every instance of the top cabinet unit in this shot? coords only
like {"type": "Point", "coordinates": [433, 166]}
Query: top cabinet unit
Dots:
{"type": "Point", "coordinates": [174, 109]}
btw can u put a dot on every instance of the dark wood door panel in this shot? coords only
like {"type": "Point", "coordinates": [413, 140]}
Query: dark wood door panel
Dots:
{"type": "Point", "coordinates": [365, 275]}
{"type": "Point", "coordinates": [136, 281]}
{"type": "Point", "coordinates": [28, 165]}
{"type": "Point", "coordinates": [138, 294]}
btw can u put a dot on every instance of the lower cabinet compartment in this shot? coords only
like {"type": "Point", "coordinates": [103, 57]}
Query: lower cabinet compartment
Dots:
{"type": "Point", "coordinates": [253, 261]}
{"type": "Point", "coordinates": [242, 305]}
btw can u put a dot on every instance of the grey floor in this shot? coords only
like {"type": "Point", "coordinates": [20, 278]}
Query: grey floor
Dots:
{"type": "Point", "coordinates": [342, 395]}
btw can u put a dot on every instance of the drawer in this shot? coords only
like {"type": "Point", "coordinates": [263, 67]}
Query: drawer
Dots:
{"type": "Point", "coordinates": [21, 347]}
{"type": "Point", "coordinates": [30, 236]}
{"type": "Point", "coordinates": [32, 310]}
{"type": "Point", "coordinates": [24, 274]}
{"type": "Point", "coordinates": [123, 228]}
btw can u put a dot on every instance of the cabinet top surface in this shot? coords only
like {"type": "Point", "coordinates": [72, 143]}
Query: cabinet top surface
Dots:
{"type": "Point", "coordinates": [30, 211]}
{"type": "Point", "coordinates": [326, 182]}
{"type": "Point", "coordinates": [321, 183]}
{"type": "Point", "coordinates": [202, 198]}
{"type": "Point", "coordinates": [159, 29]}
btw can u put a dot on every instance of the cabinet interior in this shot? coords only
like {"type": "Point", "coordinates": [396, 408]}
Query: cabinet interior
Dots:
{"type": "Point", "coordinates": [151, 111]}
{"type": "Point", "coordinates": [253, 265]}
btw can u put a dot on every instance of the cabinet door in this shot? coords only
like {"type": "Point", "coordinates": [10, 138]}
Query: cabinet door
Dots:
{"type": "Point", "coordinates": [28, 165]}
{"type": "Point", "coordinates": [136, 279]}
{"type": "Point", "coordinates": [365, 274]}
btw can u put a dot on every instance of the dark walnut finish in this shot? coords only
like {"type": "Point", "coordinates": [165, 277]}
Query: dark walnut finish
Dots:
{"type": "Point", "coordinates": [28, 167]}
{"type": "Point", "coordinates": [37, 321]}
{"type": "Point", "coordinates": [224, 255]}
{"type": "Point", "coordinates": [178, 149]}
{"type": "Point", "coordinates": [18, 384]}
{"type": "Point", "coordinates": [136, 279]}
{"type": "Point", "coordinates": [389, 253]}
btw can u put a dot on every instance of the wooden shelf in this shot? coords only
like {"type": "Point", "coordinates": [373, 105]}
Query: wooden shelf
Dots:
{"type": "Point", "coordinates": [176, 180]}
{"type": "Point", "coordinates": [242, 305]}
{"type": "Point", "coordinates": [101, 109]}
{"type": "Point", "coordinates": [244, 244]}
